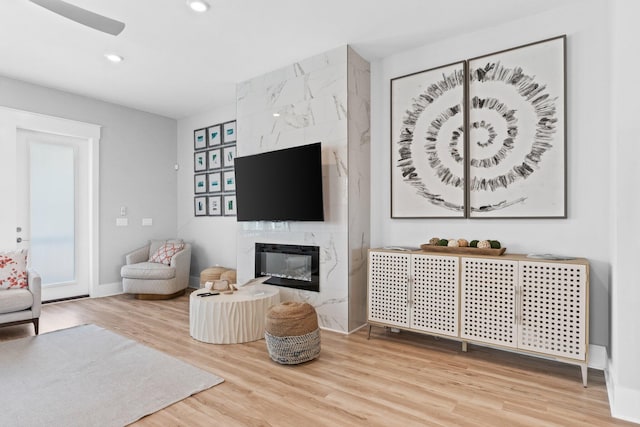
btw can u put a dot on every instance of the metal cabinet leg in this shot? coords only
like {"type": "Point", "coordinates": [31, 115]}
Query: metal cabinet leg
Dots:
{"type": "Point", "coordinates": [369, 335]}
{"type": "Point", "coordinates": [584, 369]}
{"type": "Point", "coordinates": [464, 346]}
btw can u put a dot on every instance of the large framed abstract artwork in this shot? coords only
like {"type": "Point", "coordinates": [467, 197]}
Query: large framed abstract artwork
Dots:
{"type": "Point", "coordinates": [427, 150]}
{"type": "Point", "coordinates": [482, 138]}
{"type": "Point", "coordinates": [517, 147]}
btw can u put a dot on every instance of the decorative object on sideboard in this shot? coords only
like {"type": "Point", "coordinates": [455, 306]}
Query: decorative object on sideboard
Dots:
{"type": "Point", "coordinates": [462, 250]}
{"type": "Point", "coordinates": [483, 138]}
{"type": "Point", "coordinates": [462, 246]}
{"type": "Point", "coordinates": [214, 157]}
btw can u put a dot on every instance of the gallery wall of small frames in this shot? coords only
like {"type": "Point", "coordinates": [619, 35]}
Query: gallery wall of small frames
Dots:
{"type": "Point", "coordinates": [214, 181]}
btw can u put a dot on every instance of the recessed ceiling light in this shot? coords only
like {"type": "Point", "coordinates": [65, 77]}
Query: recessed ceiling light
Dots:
{"type": "Point", "coordinates": [276, 114]}
{"type": "Point", "coordinates": [198, 5]}
{"type": "Point", "coordinates": [113, 57]}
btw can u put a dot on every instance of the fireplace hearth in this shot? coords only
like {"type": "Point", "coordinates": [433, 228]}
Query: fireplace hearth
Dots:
{"type": "Point", "coordinates": [291, 266]}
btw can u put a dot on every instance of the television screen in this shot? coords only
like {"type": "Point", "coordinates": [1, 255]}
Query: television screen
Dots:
{"type": "Point", "coordinates": [282, 185]}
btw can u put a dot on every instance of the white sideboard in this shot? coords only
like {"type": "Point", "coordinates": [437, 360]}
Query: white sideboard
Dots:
{"type": "Point", "coordinates": [533, 306]}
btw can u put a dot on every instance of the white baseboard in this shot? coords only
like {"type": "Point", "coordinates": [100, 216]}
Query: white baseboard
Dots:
{"type": "Point", "coordinates": [333, 330]}
{"type": "Point", "coordinates": [623, 401]}
{"type": "Point", "coordinates": [358, 328]}
{"type": "Point", "coordinates": [107, 290]}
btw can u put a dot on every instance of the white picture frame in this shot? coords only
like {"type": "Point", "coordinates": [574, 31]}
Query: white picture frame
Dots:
{"type": "Point", "coordinates": [199, 161]}
{"type": "Point", "coordinates": [229, 156]}
{"type": "Point", "coordinates": [214, 135]}
{"type": "Point", "coordinates": [214, 159]}
{"type": "Point", "coordinates": [229, 180]}
{"type": "Point", "coordinates": [229, 132]}
{"type": "Point", "coordinates": [199, 139]}
{"type": "Point", "coordinates": [214, 205]}
{"type": "Point", "coordinates": [229, 204]}
{"type": "Point", "coordinates": [200, 183]}
{"type": "Point", "coordinates": [200, 206]}
{"type": "Point", "coordinates": [214, 182]}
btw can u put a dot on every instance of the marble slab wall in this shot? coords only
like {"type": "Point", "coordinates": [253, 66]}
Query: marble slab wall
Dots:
{"type": "Point", "coordinates": [310, 98]}
{"type": "Point", "coordinates": [359, 151]}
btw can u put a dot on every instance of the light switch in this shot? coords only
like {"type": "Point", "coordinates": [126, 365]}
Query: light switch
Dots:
{"type": "Point", "coordinates": [146, 222]}
{"type": "Point", "coordinates": [122, 222]}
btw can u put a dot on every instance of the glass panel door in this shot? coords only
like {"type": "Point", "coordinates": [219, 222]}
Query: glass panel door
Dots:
{"type": "Point", "coordinates": [53, 212]}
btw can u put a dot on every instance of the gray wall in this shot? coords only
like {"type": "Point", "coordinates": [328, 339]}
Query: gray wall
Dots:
{"type": "Point", "coordinates": [137, 154]}
{"type": "Point", "coordinates": [585, 233]}
{"type": "Point", "coordinates": [623, 380]}
{"type": "Point", "coordinates": [213, 238]}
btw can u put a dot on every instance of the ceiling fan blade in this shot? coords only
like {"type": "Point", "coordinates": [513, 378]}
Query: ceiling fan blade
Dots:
{"type": "Point", "coordinates": [82, 16]}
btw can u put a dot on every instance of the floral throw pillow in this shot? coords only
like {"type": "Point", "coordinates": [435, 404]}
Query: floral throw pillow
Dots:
{"type": "Point", "coordinates": [165, 252]}
{"type": "Point", "coordinates": [13, 270]}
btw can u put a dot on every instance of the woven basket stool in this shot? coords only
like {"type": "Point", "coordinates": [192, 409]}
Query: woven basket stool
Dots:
{"type": "Point", "coordinates": [291, 333]}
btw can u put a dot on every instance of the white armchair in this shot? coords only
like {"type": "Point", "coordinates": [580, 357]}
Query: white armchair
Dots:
{"type": "Point", "coordinates": [154, 280]}
{"type": "Point", "coordinates": [18, 306]}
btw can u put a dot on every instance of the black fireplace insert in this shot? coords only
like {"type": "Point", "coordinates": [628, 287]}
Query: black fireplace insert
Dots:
{"type": "Point", "coordinates": [292, 266]}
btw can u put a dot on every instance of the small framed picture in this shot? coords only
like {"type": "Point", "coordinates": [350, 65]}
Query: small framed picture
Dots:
{"type": "Point", "coordinates": [199, 161]}
{"type": "Point", "coordinates": [229, 130]}
{"type": "Point", "coordinates": [229, 155]}
{"type": "Point", "coordinates": [199, 139]}
{"type": "Point", "coordinates": [214, 136]}
{"type": "Point", "coordinates": [215, 206]}
{"type": "Point", "coordinates": [200, 183]}
{"type": "Point", "coordinates": [200, 206]}
{"type": "Point", "coordinates": [215, 185]}
{"type": "Point", "coordinates": [214, 159]}
{"type": "Point", "coordinates": [229, 204]}
{"type": "Point", "coordinates": [229, 180]}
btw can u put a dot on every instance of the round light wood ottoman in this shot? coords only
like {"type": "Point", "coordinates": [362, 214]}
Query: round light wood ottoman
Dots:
{"type": "Point", "coordinates": [291, 333]}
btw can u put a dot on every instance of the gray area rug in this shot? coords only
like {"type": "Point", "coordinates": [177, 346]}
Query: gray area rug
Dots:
{"type": "Point", "coordinates": [88, 376]}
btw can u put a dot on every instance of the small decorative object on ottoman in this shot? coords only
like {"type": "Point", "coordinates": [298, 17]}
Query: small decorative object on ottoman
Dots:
{"type": "Point", "coordinates": [292, 333]}
{"type": "Point", "coordinates": [229, 275]}
{"type": "Point", "coordinates": [211, 274]}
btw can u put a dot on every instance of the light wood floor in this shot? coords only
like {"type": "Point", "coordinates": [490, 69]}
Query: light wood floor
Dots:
{"type": "Point", "coordinates": [391, 380]}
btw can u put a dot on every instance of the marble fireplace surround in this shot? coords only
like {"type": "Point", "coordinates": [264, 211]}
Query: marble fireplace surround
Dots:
{"type": "Point", "coordinates": [325, 98]}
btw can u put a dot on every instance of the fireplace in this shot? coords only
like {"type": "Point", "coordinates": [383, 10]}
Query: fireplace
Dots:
{"type": "Point", "coordinates": [292, 266]}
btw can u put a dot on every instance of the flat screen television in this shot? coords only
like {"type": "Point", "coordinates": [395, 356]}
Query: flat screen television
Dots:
{"type": "Point", "coordinates": [281, 185]}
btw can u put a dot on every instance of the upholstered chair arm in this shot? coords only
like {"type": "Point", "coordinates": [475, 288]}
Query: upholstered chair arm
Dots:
{"type": "Point", "coordinates": [182, 262]}
{"type": "Point", "coordinates": [139, 255]}
{"type": "Point", "coordinates": [35, 286]}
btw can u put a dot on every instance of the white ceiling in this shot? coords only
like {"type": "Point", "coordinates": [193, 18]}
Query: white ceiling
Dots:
{"type": "Point", "coordinates": [179, 63]}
